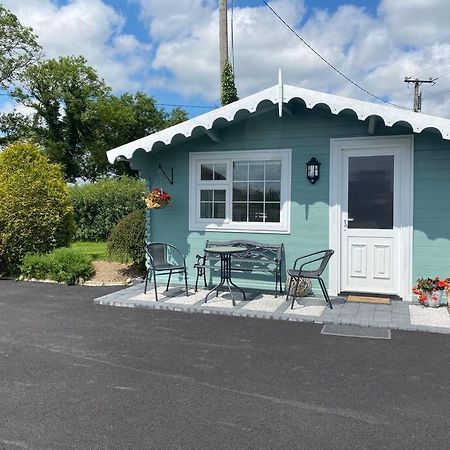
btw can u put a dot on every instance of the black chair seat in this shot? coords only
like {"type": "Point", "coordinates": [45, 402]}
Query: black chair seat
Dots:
{"type": "Point", "coordinates": [169, 267]}
{"type": "Point", "coordinates": [303, 273]}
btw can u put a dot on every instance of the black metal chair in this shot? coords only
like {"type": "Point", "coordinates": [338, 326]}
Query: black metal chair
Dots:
{"type": "Point", "coordinates": [321, 259]}
{"type": "Point", "coordinates": [165, 259]}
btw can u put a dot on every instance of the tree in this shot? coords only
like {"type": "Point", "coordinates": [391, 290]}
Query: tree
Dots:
{"type": "Point", "coordinates": [115, 121]}
{"type": "Point", "coordinates": [76, 119]}
{"type": "Point", "coordinates": [35, 207]}
{"type": "Point", "coordinates": [60, 91]}
{"type": "Point", "coordinates": [229, 91]}
{"type": "Point", "coordinates": [18, 48]}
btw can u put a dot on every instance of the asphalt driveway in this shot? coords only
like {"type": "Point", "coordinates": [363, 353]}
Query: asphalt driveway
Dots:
{"type": "Point", "coordinates": [77, 375]}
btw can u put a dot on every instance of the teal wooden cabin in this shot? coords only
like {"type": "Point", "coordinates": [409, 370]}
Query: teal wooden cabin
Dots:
{"type": "Point", "coordinates": [239, 172]}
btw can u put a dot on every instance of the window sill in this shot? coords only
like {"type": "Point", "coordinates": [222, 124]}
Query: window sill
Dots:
{"type": "Point", "coordinates": [233, 228]}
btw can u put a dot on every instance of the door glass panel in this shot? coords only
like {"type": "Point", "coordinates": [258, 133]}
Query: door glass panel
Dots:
{"type": "Point", "coordinates": [371, 192]}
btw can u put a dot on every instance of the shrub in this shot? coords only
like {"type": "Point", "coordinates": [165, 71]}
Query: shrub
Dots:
{"type": "Point", "coordinates": [127, 240]}
{"type": "Point", "coordinates": [35, 207]}
{"type": "Point", "coordinates": [99, 206]}
{"type": "Point", "coordinates": [35, 265]}
{"type": "Point", "coordinates": [63, 264]}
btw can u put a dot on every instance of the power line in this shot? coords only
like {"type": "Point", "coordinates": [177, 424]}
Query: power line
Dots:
{"type": "Point", "coordinates": [185, 106]}
{"type": "Point", "coordinates": [434, 65]}
{"type": "Point", "coordinates": [329, 64]}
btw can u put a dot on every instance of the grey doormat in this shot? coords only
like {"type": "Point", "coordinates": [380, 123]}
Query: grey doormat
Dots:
{"type": "Point", "coordinates": [356, 331]}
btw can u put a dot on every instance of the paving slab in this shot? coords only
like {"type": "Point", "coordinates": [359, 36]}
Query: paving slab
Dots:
{"type": "Point", "coordinates": [397, 315]}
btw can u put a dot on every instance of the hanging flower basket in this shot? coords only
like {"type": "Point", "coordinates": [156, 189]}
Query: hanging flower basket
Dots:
{"type": "Point", "coordinates": [157, 199]}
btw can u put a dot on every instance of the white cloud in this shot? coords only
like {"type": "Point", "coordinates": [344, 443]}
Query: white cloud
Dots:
{"type": "Point", "coordinates": [417, 22]}
{"type": "Point", "coordinates": [90, 28]}
{"type": "Point", "coordinates": [376, 51]}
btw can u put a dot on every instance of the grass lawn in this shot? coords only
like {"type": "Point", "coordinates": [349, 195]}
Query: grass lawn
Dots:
{"type": "Point", "coordinates": [97, 250]}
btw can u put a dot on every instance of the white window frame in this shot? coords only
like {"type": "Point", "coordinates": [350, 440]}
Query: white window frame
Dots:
{"type": "Point", "coordinates": [198, 158]}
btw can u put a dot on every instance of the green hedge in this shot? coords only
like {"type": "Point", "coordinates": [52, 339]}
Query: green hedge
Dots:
{"type": "Point", "coordinates": [127, 240]}
{"type": "Point", "coordinates": [35, 207]}
{"type": "Point", "coordinates": [64, 265]}
{"type": "Point", "coordinates": [99, 206]}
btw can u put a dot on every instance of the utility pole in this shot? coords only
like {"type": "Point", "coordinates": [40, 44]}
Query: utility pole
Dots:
{"type": "Point", "coordinates": [223, 38]}
{"type": "Point", "coordinates": [417, 105]}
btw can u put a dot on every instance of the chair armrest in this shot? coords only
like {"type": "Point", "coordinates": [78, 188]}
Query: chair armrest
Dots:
{"type": "Point", "coordinates": [307, 256]}
{"type": "Point", "coordinates": [309, 262]}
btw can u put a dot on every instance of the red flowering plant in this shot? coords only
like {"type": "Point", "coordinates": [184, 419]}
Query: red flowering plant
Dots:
{"type": "Point", "coordinates": [157, 198]}
{"type": "Point", "coordinates": [425, 287]}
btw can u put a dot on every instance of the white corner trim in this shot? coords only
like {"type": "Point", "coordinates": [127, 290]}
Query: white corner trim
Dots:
{"type": "Point", "coordinates": [406, 205]}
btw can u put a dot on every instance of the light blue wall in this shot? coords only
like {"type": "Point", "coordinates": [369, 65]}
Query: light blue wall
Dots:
{"type": "Point", "coordinates": [308, 134]}
{"type": "Point", "coordinates": [431, 207]}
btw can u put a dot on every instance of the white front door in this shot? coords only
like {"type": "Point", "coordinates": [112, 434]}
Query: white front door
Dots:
{"type": "Point", "coordinates": [372, 216]}
{"type": "Point", "coordinates": [370, 247]}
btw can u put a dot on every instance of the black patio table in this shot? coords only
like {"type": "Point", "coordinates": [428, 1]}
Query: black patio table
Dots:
{"type": "Point", "coordinates": [225, 253]}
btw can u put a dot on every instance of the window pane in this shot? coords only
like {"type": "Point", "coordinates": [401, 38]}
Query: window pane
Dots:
{"type": "Point", "coordinates": [219, 210]}
{"type": "Point", "coordinates": [206, 195]}
{"type": "Point", "coordinates": [220, 171]}
{"type": "Point", "coordinates": [256, 212]}
{"type": "Point", "coordinates": [239, 192]}
{"type": "Point", "coordinates": [256, 191]}
{"type": "Point", "coordinates": [240, 170]}
{"type": "Point", "coordinates": [240, 212]}
{"type": "Point", "coordinates": [206, 210]}
{"type": "Point", "coordinates": [272, 212]}
{"type": "Point", "coordinates": [256, 170]}
{"type": "Point", "coordinates": [273, 192]}
{"type": "Point", "coordinates": [219, 195]}
{"type": "Point", "coordinates": [273, 170]}
{"type": "Point", "coordinates": [206, 172]}
{"type": "Point", "coordinates": [371, 192]}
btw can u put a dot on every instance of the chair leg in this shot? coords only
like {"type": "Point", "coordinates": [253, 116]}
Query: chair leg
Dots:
{"type": "Point", "coordinates": [324, 291]}
{"type": "Point", "coordinates": [154, 282]}
{"type": "Point", "coordinates": [146, 281]}
{"type": "Point", "coordinates": [204, 278]}
{"type": "Point", "coordinates": [294, 297]}
{"type": "Point", "coordinates": [196, 279]}
{"type": "Point", "coordinates": [278, 278]}
{"type": "Point", "coordinates": [185, 282]}
{"type": "Point", "coordinates": [289, 289]}
{"type": "Point", "coordinates": [168, 281]}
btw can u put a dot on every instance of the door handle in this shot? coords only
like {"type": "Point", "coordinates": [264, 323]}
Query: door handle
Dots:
{"type": "Point", "coordinates": [346, 221]}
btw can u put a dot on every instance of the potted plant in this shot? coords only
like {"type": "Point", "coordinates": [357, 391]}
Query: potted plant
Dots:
{"type": "Point", "coordinates": [429, 291]}
{"type": "Point", "coordinates": [157, 199]}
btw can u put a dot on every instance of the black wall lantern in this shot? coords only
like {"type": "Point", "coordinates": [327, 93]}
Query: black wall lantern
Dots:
{"type": "Point", "coordinates": [313, 170]}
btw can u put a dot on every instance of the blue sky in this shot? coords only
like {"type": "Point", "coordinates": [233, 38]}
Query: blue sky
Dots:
{"type": "Point", "coordinates": [169, 48]}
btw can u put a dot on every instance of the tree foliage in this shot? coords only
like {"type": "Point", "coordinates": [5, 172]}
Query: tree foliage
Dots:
{"type": "Point", "coordinates": [97, 207]}
{"type": "Point", "coordinates": [18, 48]}
{"type": "Point", "coordinates": [76, 119]}
{"type": "Point", "coordinates": [35, 207]}
{"type": "Point", "coordinates": [59, 92]}
{"type": "Point", "coordinates": [229, 91]}
{"type": "Point", "coordinates": [127, 240]}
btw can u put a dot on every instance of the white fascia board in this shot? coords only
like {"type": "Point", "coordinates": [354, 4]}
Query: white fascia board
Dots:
{"type": "Point", "coordinates": [362, 109]}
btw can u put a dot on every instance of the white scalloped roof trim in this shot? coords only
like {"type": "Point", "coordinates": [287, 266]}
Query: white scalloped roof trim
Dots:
{"type": "Point", "coordinates": [362, 109]}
